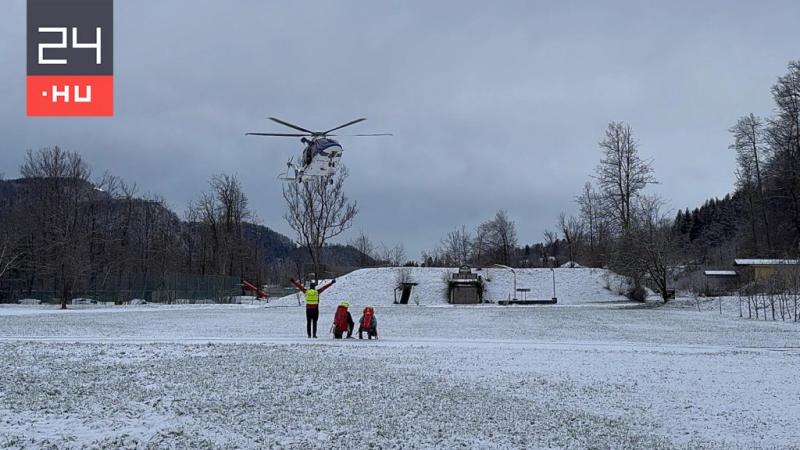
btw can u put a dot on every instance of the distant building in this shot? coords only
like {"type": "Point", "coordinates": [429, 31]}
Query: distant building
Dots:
{"type": "Point", "coordinates": [763, 269]}
{"type": "Point", "coordinates": [465, 287]}
{"type": "Point", "coordinates": [720, 282]}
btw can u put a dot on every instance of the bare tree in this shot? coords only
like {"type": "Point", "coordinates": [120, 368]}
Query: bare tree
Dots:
{"type": "Point", "coordinates": [393, 256]}
{"type": "Point", "coordinates": [783, 133]}
{"type": "Point", "coordinates": [550, 242]}
{"type": "Point", "coordinates": [658, 251]}
{"type": "Point", "coordinates": [434, 258]}
{"type": "Point", "coordinates": [480, 246]}
{"type": "Point", "coordinates": [57, 228]}
{"type": "Point", "coordinates": [751, 151]}
{"type": "Point", "coordinates": [222, 212]}
{"type": "Point", "coordinates": [572, 230]}
{"type": "Point", "coordinates": [365, 247]}
{"type": "Point", "coordinates": [500, 235]}
{"type": "Point", "coordinates": [590, 204]}
{"type": "Point", "coordinates": [649, 251]}
{"type": "Point", "coordinates": [234, 212]}
{"type": "Point", "coordinates": [457, 247]}
{"type": "Point", "coordinates": [745, 181]}
{"type": "Point", "coordinates": [622, 173]}
{"type": "Point", "coordinates": [8, 257]}
{"type": "Point", "coordinates": [318, 211]}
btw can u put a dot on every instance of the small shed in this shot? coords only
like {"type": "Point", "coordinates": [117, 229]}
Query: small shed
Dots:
{"type": "Point", "coordinates": [720, 281]}
{"type": "Point", "coordinates": [465, 287]}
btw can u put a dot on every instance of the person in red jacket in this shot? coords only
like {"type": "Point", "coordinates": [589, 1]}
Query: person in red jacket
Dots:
{"type": "Point", "coordinates": [312, 304]}
{"type": "Point", "coordinates": [368, 323]}
{"type": "Point", "coordinates": [342, 322]}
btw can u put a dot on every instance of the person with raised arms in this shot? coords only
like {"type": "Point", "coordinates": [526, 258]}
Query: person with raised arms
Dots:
{"type": "Point", "coordinates": [312, 304]}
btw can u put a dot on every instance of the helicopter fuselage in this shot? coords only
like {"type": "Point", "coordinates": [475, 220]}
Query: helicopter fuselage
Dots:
{"type": "Point", "coordinates": [322, 148]}
{"type": "Point", "coordinates": [320, 157]}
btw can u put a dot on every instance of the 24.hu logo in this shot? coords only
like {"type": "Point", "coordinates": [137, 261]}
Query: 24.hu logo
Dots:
{"type": "Point", "coordinates": [70, 58]}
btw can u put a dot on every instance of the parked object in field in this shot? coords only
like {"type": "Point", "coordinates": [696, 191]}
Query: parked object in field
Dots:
{"type": "Point", "coordinates": [261, 295]}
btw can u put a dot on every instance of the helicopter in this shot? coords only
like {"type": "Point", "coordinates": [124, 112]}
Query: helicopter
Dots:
{"type": "Point", "coordinates": [321, 154]}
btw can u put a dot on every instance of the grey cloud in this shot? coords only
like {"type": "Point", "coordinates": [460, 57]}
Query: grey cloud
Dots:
{"type": "Point", "coordinates": [494, 104]}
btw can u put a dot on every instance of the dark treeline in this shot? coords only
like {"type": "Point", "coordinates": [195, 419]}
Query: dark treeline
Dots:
{"type": "Point", "coordinates": [65, 233]}
{"type": "Point", "coordinates": [712, 231]}
{"type": "Point", "coordinates": [762, 217]}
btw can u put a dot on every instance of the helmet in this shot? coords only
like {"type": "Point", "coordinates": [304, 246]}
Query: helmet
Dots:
{"type": "Point", "coordinates": [345, 304]}
{"type": "Point", "coordinates": [369, 307]}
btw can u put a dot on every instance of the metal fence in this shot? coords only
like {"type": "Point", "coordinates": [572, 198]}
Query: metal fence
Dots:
{"type": "Point", "coordinates": [121, 288]}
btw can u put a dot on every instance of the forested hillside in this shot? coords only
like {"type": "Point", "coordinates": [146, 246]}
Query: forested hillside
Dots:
{"type": "Point", "coordinates": [762, 216]}
{"type": "Point", "coordinates": [64, 233]}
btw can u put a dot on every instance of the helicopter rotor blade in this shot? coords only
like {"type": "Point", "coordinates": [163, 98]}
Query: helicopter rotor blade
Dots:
{"type": "Point", "coordinates": [278, 134]}
{"type": "Point", "coordinates": [344, 125]}
{"type": "Point", "coordinates": [287, 124]}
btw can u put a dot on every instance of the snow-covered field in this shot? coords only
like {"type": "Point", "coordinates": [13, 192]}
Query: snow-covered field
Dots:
{"type": "Point", "coordinates": [603, 375]}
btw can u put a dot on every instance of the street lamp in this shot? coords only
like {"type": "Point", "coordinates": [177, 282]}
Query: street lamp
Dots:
{"type": "Point", "coordinates": [515, 278]}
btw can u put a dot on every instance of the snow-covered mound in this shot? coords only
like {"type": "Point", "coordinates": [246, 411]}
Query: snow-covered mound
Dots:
{"type": "Point", "coordinates": [376, 285]}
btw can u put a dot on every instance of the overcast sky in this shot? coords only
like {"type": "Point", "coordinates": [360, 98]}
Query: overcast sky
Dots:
{"type": "Point", "coordinates": [494, 105]}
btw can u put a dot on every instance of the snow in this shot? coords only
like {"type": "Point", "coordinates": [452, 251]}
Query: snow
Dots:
{"type": "Point", "coordinates": [84, 301]}
{"type": "Point", "coordinates": [720, 273]}
{"type": "Point", "coordinates": [571, 265]}
{"type": "Point", "coordinates": [29, 301]}
{"type": "Point", "coordinates": [601, 375]}
{"type": "Point", "coordinates": [765, 262]}
{"type": "Point", "coordinates": [376, 286]}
